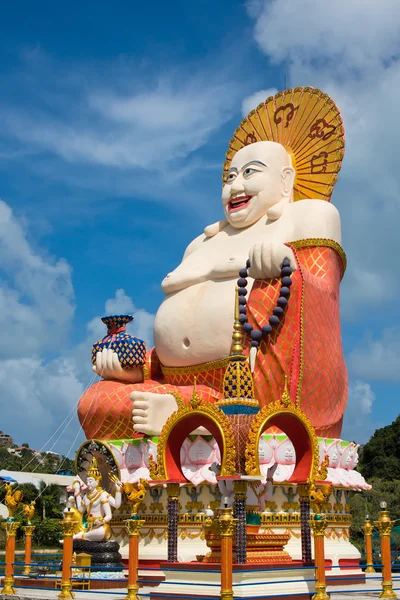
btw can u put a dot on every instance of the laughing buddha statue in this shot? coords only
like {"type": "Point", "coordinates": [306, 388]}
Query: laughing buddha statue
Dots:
{"type": "Point", "coordinates": [279, 173]}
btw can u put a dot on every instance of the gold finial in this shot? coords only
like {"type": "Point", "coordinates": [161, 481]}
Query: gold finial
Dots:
{"type": "Point", "coordinates": [237, 347]}
{"type": "Point", "coordinates": [94, 470]}
{"type": "Point", "coordinates": [195, 399]}
{"type": "Point", "coordinates": [323, 469]}
{"type": "Point", "coordinates": [286, 396]}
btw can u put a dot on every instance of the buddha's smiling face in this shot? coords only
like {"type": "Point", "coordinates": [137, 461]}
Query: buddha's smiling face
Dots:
{"type": "Point", "coordinates": [259, 177]}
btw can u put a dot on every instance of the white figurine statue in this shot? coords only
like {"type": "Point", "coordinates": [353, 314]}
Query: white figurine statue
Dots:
{"type": "Point", "coordinates": [97, 504]}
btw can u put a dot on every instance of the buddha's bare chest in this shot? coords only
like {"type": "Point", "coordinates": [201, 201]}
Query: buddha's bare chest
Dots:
{"type": "Point", "coordinates": [225, 254]}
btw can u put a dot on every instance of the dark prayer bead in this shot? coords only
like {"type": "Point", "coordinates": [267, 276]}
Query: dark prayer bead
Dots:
{"type": "Point", "coordinates": [256, 335]}
{"type": "Point", "coordinates": [267, 329]}
{"type": "Point", "coordinates": [284, 291]}
{"type": "Point", "coordinates": [286, 271]}
{"type": "Point", "coordinates": [282, 301]}
{"type": "Point", "coordinates": [274, 320]}
{"type": "Point", "coordinates": [286, 281]}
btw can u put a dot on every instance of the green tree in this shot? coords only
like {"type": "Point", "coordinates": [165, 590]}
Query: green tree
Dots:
{"type": "Point", "coordinates": [368, 503]}
{"type": "Point", "coordinates": [48, 533]}
{"type": "Point", "coordinates": [48, 502]}
{"type": "Point", "coordinates": [380, 457]}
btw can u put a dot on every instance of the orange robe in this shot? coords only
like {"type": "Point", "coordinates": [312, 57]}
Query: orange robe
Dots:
{"type": "Point", "coordinates": [306, 347]}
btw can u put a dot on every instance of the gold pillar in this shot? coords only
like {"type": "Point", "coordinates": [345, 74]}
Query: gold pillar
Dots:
{"type": "Point", "coordinates": [11, 528]}
{"type": "Point", "coordinates": [133, 526]}
{"type": "Point", "coordinates": [368, 529]}
{"type": "Point", "coordinates": [318, 525]}
{"type": "Point", "coordinates": [226, 528]}
{"type": "Point", "coordinates": [384, 526]}
{"type": "Point", "coordinates": [67, 526]}
{"type": "Point", "coordinates": [28, 529]}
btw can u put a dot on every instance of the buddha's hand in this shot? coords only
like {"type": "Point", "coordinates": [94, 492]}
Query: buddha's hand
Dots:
{"type": "Point", "coordinates": [108, 367]}
{"type": "Point", "coordinates": [266, 259]}
{"type": "Point", "coordinates": [151, 411]}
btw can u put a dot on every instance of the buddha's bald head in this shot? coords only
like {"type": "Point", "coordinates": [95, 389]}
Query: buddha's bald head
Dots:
{"type": "Point", "coordinates": [260, 176]}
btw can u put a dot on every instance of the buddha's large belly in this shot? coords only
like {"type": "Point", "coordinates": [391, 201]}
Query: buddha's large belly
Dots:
{"type": "Point", "coordinates": [195, 325]}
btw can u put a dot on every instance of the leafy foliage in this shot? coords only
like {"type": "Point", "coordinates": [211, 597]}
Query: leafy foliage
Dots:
{"type": "Point", "coordinates": [48, 502]}
{"type": "Point", "coordinates": [48, 533]}
{"type": "Point", "coordinates": [26, 461]}
{"type": "Point", "coordinates": [368, 503]}
{"type": "Point", "coordinates": [380, 457]}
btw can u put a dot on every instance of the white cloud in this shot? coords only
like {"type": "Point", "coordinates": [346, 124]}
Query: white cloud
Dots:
{"type": "Point", "coordinates": [378, 358]}
{"type": "Point", "coordinates": [129, 117]}
{"type": "Point", "coordinates": [36, 294]}
{"type": "Point", "coordinates": [358, 424]}
{"type": "Point", "coordinates": [350, 35]}
{"type": "Point", "coordinates": [251, 102]}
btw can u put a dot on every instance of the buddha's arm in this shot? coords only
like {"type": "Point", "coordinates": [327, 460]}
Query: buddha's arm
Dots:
{"type": "Point", "coordinates": [315, 219]}
{"type": "Point", "coordinates": [323, 259]}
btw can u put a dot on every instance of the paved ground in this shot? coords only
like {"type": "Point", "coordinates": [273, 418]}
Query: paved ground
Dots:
{"type": "Point", "coordinates": [368, 591]}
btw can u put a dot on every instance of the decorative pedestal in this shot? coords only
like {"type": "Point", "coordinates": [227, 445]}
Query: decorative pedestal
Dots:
{"type": "Point", "coordinates": [261, 548]}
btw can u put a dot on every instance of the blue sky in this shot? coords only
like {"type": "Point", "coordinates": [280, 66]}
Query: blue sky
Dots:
{"type": "Point", "coordinates": [114, 125]}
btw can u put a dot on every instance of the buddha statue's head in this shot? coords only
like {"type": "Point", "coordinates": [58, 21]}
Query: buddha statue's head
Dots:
{"type": "Point", "coordinates": [259, 184]}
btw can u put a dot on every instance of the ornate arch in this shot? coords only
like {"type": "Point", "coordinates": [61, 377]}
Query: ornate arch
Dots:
{"type": "Point", "coordinates": [180, 424]}
{"type": "Point", "coordinates": [288, 417]}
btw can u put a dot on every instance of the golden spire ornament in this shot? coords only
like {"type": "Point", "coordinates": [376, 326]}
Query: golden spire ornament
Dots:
{"type": "Point", "coordinates": [238, 380]}
{"type": "Point", "coordinates": [94, 470]}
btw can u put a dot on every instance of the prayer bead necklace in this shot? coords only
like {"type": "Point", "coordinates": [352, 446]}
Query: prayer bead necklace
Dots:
{"type": "Point", "coordinates": [274, 320]}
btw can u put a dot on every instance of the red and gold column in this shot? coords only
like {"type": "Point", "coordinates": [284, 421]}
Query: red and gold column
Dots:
{"type": "Point", "coordinates": [318, 525]}
{"type": "Point", "coordinates": [11, 528]}
{"type": "Point", "coordinates": [68, 526]}
{"type": "Point", "coordinates": [368, 529]}
{"type": "Point", "coordinates": [28, 529]}
{"type": "Point", "coordinates": [227, 528]}
{"type": "Point", "coordinates": [384, 526]}
{"type": "Point", "coordinates": [133, 526]}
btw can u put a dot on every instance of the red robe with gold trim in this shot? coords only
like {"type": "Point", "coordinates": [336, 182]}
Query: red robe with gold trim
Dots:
{"type": "Point", "coordinates": [306, 347]}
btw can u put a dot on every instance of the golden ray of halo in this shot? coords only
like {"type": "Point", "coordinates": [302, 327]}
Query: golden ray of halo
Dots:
{"type": "Point", "coordinates": [309, 125]}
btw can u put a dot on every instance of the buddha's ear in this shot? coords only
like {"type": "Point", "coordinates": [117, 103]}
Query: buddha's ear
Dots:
{"type": "Point", "coordinates": [215, 228]}
{"type": "Point", "coordinates": [287, 181]}
{"type": "Point", "coordinates": [288, 175]}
